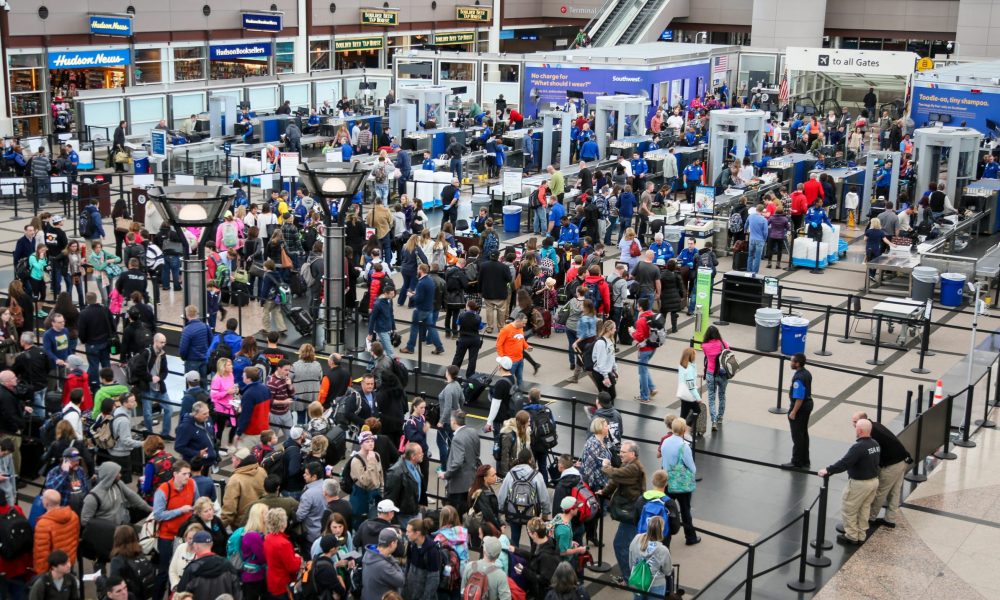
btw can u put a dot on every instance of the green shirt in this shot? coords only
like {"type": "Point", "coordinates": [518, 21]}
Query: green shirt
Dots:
{"type": "Point", "coordinates": [557, 183]}
{"type": "Point", "coordinates": [564, 536]}
{"type": "Point", "coordinates": [107, 391]}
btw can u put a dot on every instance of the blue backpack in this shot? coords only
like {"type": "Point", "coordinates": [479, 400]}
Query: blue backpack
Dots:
{"type": "Point", "coordinates": [594, 294]}
{"type": "Point", "coordinates": [665, 508]}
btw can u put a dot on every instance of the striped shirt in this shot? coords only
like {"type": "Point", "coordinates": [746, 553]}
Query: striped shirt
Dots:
{"type": "Point", "coordinates": [281, 394]}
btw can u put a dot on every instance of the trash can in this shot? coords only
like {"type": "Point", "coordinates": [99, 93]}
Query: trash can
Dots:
{"type": "Point", "coordinates": [793, 335]}
{"type": "Point", "coordinates": [140, 162]}
{"type": "Point", "coordinates": [512, 219]}
{"type": "Point", "coordinates": [768, 327]}
{"type": "Point", "coordinates": [922, 283]}
{"type": "Point", "coordinates": [952, 285]}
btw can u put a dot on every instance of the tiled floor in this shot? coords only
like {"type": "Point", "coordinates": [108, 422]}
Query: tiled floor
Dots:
{"type": "Point", "coordinates": [931, 552]}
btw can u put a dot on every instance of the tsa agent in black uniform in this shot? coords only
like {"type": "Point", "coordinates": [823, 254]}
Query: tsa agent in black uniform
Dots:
{"type": "Point", "coordinates": [861, 463]}
{"type": "Point", "coordinates": [800, 398]}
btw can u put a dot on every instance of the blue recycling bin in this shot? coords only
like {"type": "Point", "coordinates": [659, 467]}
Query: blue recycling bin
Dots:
{"type": "Point", "coordinates": [793, 335]}
{"type": "Point", "coordinates": [952, 285]}
{"type": "Point", "coordinates": [512, 219]}
{"type": "Point", "coordinates": [140, 162]}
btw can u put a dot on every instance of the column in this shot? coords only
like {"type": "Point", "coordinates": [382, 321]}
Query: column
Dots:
{"type": "Point", "coordinates": [781, 23]}
{"type": "Point", "coordinates": [978, 29]}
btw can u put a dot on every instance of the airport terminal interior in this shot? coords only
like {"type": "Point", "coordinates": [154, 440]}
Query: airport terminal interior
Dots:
{"type": "Point", "coordinates": [750, 252]}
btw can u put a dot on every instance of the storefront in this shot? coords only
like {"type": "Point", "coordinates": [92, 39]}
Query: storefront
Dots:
{"type": "Point", "coordinates": [236, 61]}
{"type": "Point", "coordinates": [358, 53]}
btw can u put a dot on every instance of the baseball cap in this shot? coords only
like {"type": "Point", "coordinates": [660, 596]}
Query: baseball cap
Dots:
{"type": "Point", "coordinates": [296, 432]}
{"type": "Point", "coordinates": [242, 454]}
{"type": "Point", "coordinates": [57, 219]}
{"type": "Point", "coordinates": [192, 377]}
{"type": "Point", "coordinates": [387, 506]}
{"type": "Point", "coordinates": [75, 361]}
{"type": "Point", "coordinates": [71, 453]}
{"type": "Point", "coordinates": [387, 536]}
{"type": "Point", "coordinates": [202, 537]}
{"type": "Point", "coordinates": [505, 362]}
{"type": "Point", "coordinates": [568, 503]}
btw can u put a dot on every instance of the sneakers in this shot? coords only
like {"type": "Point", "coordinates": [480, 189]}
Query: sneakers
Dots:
{"type": "Point", "coordinates": [715, 426]}
{"type": "Point", "coordinates": [652, 393]}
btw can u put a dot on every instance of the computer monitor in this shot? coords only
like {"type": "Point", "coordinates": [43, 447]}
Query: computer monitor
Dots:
{"type": "Point", "coordinates": [201, 126]}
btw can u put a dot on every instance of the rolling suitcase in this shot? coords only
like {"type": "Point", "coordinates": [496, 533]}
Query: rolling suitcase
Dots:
{"type": "Point", "coordinates": [476, 385]}
{"type": "Point", "coordinates": [546, 329]}
{"type": "Point", "coordinates": [32, 450]}
{"type": "Point", "coordinates": [336, 450]}
{"type": "Point", "coordinates": [240, 293]}
{"type": "Point", "coordinates": [301, 320]}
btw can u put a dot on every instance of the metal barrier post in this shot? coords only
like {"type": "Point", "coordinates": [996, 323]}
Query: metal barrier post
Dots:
{"type": "Point", "coordinates": [916, 476]}
{"type": "Point", "coordinates": [924, 342]}
{"type": "Point", "coordinates": [777, 408]}
{"type": "Point", "coordinates": [600, 566]}
{"type": "Point", "coordinates": [572, 425]}
{"type": "Point", "coordinates": [801, 584]}
{"type": "Point", "coordinates": [816, 270]}
{"type": "Point", "coordinates": [963, 441]}
{"type": "Point", "coordinates": [878, 401]}
{"type": "Point", "coordinates": [985, 421]}
{"type": "Point", "coordinates": [821, 543]}
{"type": "Point", "coordinates": [826, 330]}
{"type": "Point", "coordinates": [847, 322]}
{"type": "Point", "coordinates": [748, 588]}
{"type": "Point", "coordinates": [909, 400]}
{"type": "Point", "coordinates": [878, 340]}
{"type": "Point", "coordinates": [945, 452]}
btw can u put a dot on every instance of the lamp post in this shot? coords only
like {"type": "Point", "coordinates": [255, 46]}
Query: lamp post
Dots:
{"type": "Point", "coordinates": [332, 182]}
{"type": "Point", "coordinates": [183, 206]}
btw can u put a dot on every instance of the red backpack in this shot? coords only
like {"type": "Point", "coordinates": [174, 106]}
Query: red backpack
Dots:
{"type": "Point", "coordinates": [634, 250]}
{"type": "Point", "coordinates": [163, 466]}
{"type": "Point", "coordinates": [587, 502]}
{"type": "Point", "coordinates": [451, 568]}
{"type": "Point", "coordinates": [477, 587]}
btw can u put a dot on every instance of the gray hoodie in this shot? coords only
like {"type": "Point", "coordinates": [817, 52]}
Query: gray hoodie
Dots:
{"type": "Point", "coordinates": [657, 557]}
{"type": "Point", "coordinates": [451, 398]}
{"type": "Point", "coordinates": [122, 431]}
{"type": "Point", "coordinates": [9, 487]}
{"type": "Point", "coordinates": [110, 499]}
{"type": "Point", "coordinates": [380, 574]}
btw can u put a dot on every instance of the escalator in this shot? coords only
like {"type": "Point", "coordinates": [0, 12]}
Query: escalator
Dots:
{"type": "Point", "coordinates": [621, 22]}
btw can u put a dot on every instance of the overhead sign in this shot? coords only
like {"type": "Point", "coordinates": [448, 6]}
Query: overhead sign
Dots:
{"type": "Point", "coordinates": [977, 108]}
{"type": "Point", "coordinates": [455, 37]}
{"type": "Point", "coordinates": [111, 25]}
{"type": "Point", "coordinates": [667, 35]}
{"type": "Point", "coordinates": [385, 17]}
{"type": "Point", "coordinates": [89, 59]}
{"type": "Point", "coordinates": [858, 62]}
{"type": "Point", "coordinates": [479, 14]}
{"type": "Point", "coordinates": [238, 51]}
{"type": "Point", "coordinates": [253, 21]}
{"type": "Point", "coordinates": [925, 64]}
{"type": "Point", "coordinates": [158, 142]}
{"type": "Point", "coordinates": [369, 43]}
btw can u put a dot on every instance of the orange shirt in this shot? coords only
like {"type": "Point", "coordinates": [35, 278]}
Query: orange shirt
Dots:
{"type": "Point", "coordinates": [511, 342]}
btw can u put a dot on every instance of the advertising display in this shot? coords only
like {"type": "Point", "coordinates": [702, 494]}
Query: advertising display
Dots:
{"type": "Point", "coordinates": [478, 14]}
{"type": "Point", "coordinates": [454, 37]}
{"type": "Point", "coordinates": [378, 16]}
{"type": "Point", "coordinates": [270, 22]}
{"type": "Point", "coordinates": [89, 59]}
{"type": "Point", "coordinates": [952, 107]}
{"type": "Point", "coordinates": [349, 45]}
{"type": "Point", "coordinates": [110, 25]}
{"type": "Point", "coordinates": [549, 83]}
{"type": "Point", "coordinates": [239, 51]}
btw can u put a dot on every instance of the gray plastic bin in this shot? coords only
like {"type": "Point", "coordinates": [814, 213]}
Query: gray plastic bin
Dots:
{"type": "Point", "coordinates": [922, 283]}
{"type": "Point", "coordinates": [768, 327]}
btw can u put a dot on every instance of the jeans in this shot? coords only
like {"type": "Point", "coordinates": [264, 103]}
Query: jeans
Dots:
{"type": "Point", "coordinates": [386, 243]}
{"type": "Point", "coordinates": [754, 253]}
{"type": "Point", "coordinates": [409, 282]}
{"type": "Point", "coordinates": [539, 220]}
{"type": "Point", "coordinates": [13, 589]}
{"type": "Point", "coordinates": [456, 168]}
{"type": "Point", "coordinates": [39, 402]}
{"type": "Point", "coordinates": [714, 381]}
{"type": "Point", "coordinates": [570, 340]}
{"type": "Point", "coordinates": [517, 370]}
{"type": "Point", "coordinates": [646, 386]}
{"type": "Point", "coordinates": [471, 345]}
{"type": "Point", "coordinates": [451, 317]}
{"type": "Point", "coordinates": [515, 533]}
{"type": "Point", "coordinates": [623, 537]}
{"type": "Point", "coordinates": [98, 357]}
{"type": "Point", "coordinates": [607, 231]}
{"type": "Point", "coordinates": [148, 398]}
{"type": "Point", "coordinates": [623, 224]}
{"type": "Point", "coordinates": [684, 504]}
{"type": "Point", "coordinates": [171, 270]}
{"type": "Point", "coordinates": [385, 338]}
{"type": "Point", "coordinates": [443, 437]}
{"type": "Point", "coordinates": [382, 192]}
{"type": "Point", "coordinates": [196, 365]}
{"type": "Point", "coordinates": [165, 549]}
{"type": "Point", "coordinates": [423, 323]}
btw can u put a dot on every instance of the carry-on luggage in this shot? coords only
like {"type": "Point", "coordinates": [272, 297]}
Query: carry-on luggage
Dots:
{"type": "Point", "coordinates": [476, 385]}
{"type": "Point", "coordinates": [32, 449]}
{"type": "Point", "coordinates": [336, 450]}
{"type": "Point", "coordinates": [301, 320]}
{"type": "Point", "coordinates": [240, 293]}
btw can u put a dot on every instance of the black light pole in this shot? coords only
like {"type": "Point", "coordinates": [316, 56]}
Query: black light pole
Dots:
{"type": "Point", "coordinates": [333, 182]}
{"type": "Point", "coordinates": [183, 206]}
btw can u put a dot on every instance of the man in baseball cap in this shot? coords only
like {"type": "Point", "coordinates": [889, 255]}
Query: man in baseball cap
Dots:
{"type": "Point", "coordinates": [208, 575]}
{"type": "Point", "coordinates": [370, 530]}
{"type": "Point", "coordinates": [381, 572]}
{"type": "Point", "coordinates": [563, 530]}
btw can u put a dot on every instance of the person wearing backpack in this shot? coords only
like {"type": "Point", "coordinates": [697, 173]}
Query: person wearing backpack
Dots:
{"type": "Point", "coordinates": [121, 430]}
{"type": "Point", "coordinates": [515, 435]}
{"type": "Point", "coordinates": [110, 499]}
{"type": "Point", "coordinates": [381, 572]}
{"type": "Point", "coordinates": [482, 579]}
{"type": "Point", "coordinates": [423, 562]}
{"type": "Point", "coordinates": [716, 380]}
{"type": "Point", "coordinates": [625, 484]}
{"type": "Point", "coordinates": [643, 334]}
{"type": "Point", "coordinates": [604, 372]}
{"type": "Point", "coordinates": [672, 292]}
{"type": "Point", "coordinates": [523, 495]}
{"type": "Point", "coordinates": [649, 563]}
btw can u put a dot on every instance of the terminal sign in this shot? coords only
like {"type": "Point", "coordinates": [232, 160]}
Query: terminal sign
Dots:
{"type": "Point", "coordinates": [457, 37]}
{"type": "Point", "coordinates": [479, 14]}
{"type": "Point", "coordinates": [378, 16]}
{"type": "Point", "coordinates": [925, 64]}
{"type": "Point", "coordinates": [372, 43]}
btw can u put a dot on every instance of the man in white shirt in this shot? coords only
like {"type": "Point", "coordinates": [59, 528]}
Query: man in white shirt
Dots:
{"type": "Point", "coordinates": [676, 121]}
{"type": "Point", "coordinates": [626, 164]}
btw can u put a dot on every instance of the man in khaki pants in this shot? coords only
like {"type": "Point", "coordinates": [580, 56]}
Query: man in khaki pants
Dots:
{"type": "Point", "coordinates": [861, 463]}
{"type": "Point", "coordinates": [894, 460]}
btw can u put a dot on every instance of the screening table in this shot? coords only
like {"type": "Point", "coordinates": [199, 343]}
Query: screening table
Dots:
{"type": "Point", "coordinates": [904, 311]}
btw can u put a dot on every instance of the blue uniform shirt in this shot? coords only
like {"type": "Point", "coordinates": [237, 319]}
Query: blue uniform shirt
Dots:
{"type": "Point", "coordinates": [428, 165]}
{"type": "Point", "coordinates": [882, 177]}
{"type": "Point", "coordinates": [662, 251]}
{"type": "Point", "coordinates": [991, 170]}
{"type": "Point", "coordinates": [639, 166]}
{"type": "Point", "coordinates": [589, 151]}
{"type": "Point", "coordinates": [556, 213]}
{"type": "Point", "coordinates": [693, 173]}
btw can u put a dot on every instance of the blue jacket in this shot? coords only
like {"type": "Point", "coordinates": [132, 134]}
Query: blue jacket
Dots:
{"type": "Point", "coordinates": [232, 339]}
{"type": "Point", "coordinates": [757, 227]}
{"type": "Point", "coordinates": [662, 251]}
{"type": "Point", "coordinates": [95, 216]}
{"type": "Point", "coordinates": [404, 164]}
{"type": "Point", "coordinates": [346, 152]}
{"type": "Point", "coordinates": [193, 437]}
{"type": "Point", "coordinates": [626, 205]}
{"type": "Point", "coordinates": [639, 166]}
{"type": "Point", "coordinates": [687, 257]}
{"type": "Point", "coordinates": [250, 396]}
{"type": "Point", "coordinates": [191, 395]}
{"type": "Point", "coordinates": [194, 340]}
{"type": "Point", "coordinates": [381, 319]}
{"type": "Point", "coordinates": [58, 345]}
{"type": "Point", "coordinates": [589, 151]}
{"type": "Point", "coordinates": [423, 299]}
{"type": "Point", "coordinates": [816, 217]}
{"type": "Point", "coordinates": [24, 248]}
{"type": "Point", "coordinates": [569, 234]}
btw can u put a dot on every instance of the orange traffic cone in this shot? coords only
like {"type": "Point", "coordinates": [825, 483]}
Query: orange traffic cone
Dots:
{"type": "Point", "coordinates": [938, 393]}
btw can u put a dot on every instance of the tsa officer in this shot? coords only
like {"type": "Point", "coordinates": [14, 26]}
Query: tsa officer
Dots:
{"type": "Point", "coordinates": [800, 397]}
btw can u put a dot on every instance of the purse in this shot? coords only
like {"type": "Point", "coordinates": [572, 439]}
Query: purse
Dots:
{"type": "Point", "coordinates": [256, 270]}
{"type": "Point", "coordinates": [16, 314]}
{"type": "Point", "coordinates": [123, 224]}
{"type": "Point", "coordinates": [622, 509]}
{"type": "Point", "coordinates": [680, 479]}
{"type": "Point", "coordinates": [286, 261]}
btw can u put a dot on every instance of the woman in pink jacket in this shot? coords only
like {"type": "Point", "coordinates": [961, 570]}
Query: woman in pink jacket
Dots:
{"type": "Point", "coordinates": [712, 346]}
{"type": "Point", "coordinates": [224, 393]}
{"type": "Point", "coordinates": [228, 234]}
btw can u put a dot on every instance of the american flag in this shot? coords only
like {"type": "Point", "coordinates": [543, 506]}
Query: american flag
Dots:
{"type": "Point", "coordinates": [783, 90]}
{"type": "Point", "coordinates": [720, 64]}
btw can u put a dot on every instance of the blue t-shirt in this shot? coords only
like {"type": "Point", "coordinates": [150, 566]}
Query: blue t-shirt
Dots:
{"type": "Point", "coordinates": [556, 213]}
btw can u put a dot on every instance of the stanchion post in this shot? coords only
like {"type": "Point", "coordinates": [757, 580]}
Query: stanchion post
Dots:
{"type": "Point", "coordinates": [916, 476]}
{"type": "Point", "coordinates": [777, 409]}
{"type": "Point", "coordinates": [817, 270]}
{"type": "Point", "coordinates": [826, 331]}
{"type": "Point", "coordinates": [748, 587]}
{"type": "Point", "coordinates": [945, 452]}
{"type": "Point", "coordinates": [847, 322]}
{"type": "Point", "coordinates": [963, 441]}
{"type": "Point", "coordinates": [878, 340]}
{"type": "Point", "coordinates": [821, 543]}
{"type": "Point", "coordinates": [906, 411]}
{"type": "Point", "coordinates": [801, 584]}
{"type": "Point", "coordinates": [996, 392]}
{"type": "Point", "coordinates": [600, 566]}
{"type": "Point", "coordinates": [924, 342]}
{"type": "Point", "coordinates": [878, 401]}
{"type": "Point", "coordinates": [572, 424]}
{"type": "Point", "coordinates": [985, 421]}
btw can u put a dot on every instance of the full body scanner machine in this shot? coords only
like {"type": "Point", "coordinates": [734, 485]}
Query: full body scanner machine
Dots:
{"type": "Point", "coordinates": [549, 120]}
{"type": "Point", "coordinates": [622, 106]}
{"type": "Point", "coordinates": [871, 165]}
{"type": "Point", "coordinates": [420, 104]}
{"type": "Point", "coordinates": [222, 111]}
{"type": "Point", "coordinates": [733, 130]}
{"type": "Point", "coordinates": [947, 154]}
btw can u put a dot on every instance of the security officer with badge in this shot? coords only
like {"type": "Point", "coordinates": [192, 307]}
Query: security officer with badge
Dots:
{"type": "Point", "coordinates": [800, 397]}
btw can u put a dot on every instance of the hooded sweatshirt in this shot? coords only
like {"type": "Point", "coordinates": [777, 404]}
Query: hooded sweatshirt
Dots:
{"type": "Point", "coordinates": [110, 499]}
{"type": "Point", "coordinates": [210, 576]}
{"type": "Point", "coordinates": [657, 557]}
{"type": "Point", "coordinates": [381, 574]}
{"type": "Point", "coordinates": [511, 445]}
{"type": "Point", "coordinates": [605, 292]}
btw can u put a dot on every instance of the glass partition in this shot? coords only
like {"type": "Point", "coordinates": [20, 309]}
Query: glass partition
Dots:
{"type": "Point", "coordinates": [145, 113]}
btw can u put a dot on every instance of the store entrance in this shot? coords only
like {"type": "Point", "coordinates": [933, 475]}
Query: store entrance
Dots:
{"type": "Point", "coordinates": [65, 86]}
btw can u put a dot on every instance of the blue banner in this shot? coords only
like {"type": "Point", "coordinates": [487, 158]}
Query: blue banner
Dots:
{"type": "Point", "coordinates": [158, 142]}
{"type": "Point", "coordinates": [108, 25]}
{"type": "Point", "coordinates": [262, 22]}
{"type": "Point", "coordinates": [667, 35]}
{"type": "Point", "coordinates": [89, 59]}
{"type": "Point", "coordinates": [238, 51]}
{"type": "Point", "coordinates": [953, 107]}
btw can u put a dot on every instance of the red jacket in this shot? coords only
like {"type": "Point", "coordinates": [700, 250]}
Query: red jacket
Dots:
{"type": "Point", "coordinates": [604, 289]}
{"type": "Point", "coordinates": [800, 204]}
{"type": "Point", "coordinates": [82, 381]}
{"type": "Point", "coordinates": [641, 333]}
{"type": "Point", "coordinates": [374, 288]}
{"type": "Point", "coordinates": [812, 189]}
{"type": "Point", "coordinates": [282, 563]}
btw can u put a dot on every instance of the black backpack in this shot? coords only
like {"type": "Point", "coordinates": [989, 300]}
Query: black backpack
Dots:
{"type": "Point", "coordinates": [346, 481]}
{"type": "Point", "coordinates": [140, 576]}
{"type": "Point", "coordinates": [86, 224]}
{"type": "Point", "coordinates": [544, 433]}
{"type": "Point", "coordinates": [401, 372]}
{"type": "Point", "coordinates": [16, 537]}
{"type": "Point", "coordinates": [274, 462]}
{"type": "Point", "coordinates": [222, 350]}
